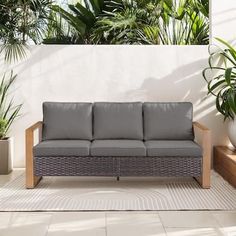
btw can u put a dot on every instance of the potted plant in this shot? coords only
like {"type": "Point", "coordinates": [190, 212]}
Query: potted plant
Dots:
{"type": "Point", "coordinates": [221, 83]}
{"type": "Point", "coordinates": [8, 113]}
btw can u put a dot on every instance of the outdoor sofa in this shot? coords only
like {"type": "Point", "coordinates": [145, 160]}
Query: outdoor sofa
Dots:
{"type": "Point", "coordinates": [118, 139]}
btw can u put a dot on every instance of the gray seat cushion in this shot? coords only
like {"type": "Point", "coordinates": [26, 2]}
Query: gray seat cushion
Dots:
{"type": "Point", "coordinates": [118, 148]}
{"type": "Point", "coordinates": [67, 121]}
{"type": "Point", "coordinates": [168, 121]}
{"type": "Point", "coordinates": [173, 148]}
{"type": "Point", "coordinates": [62, 148]}
{"type": "Point", "coordinates": [118, 120]}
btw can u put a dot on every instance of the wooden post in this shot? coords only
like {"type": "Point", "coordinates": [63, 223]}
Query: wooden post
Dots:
{"type": "Point", "coordinates": [203, 138]}
{"type": "Point", "coordinates": [31, 179]}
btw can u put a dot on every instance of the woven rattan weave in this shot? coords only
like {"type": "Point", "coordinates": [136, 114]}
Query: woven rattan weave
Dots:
{"type": "Point", "coordinates": [118, 166]}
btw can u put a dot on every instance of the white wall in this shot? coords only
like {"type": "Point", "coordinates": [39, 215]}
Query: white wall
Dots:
{"type": "Point", "coordinates": [120, 73]}
{"type": "Point", "coordinates": [224, 19]}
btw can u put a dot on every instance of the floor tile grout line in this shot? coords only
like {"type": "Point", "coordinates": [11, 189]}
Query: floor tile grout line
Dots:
{"type": "Point", "coordinates": [217, 228]}
{"type": "Point", "coordinates": [49, 223]}
{"type": "Point", "coordinates": [162, 223]}
{"type": "Point", "coordinates": [218, 223]}
{"type": "Point", "coordinates": [106, 224]}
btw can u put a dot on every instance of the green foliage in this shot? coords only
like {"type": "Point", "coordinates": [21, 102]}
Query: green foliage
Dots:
{"type": "Point", "coordinates": [59, 31]}
{"type": "Point", "coordinates": [185, 22]}
{"type": "Point", "coordinates": [134, 22]}
{"type": "Point", "coordinates": [222, 79]}
{"type": "Point", "coordinates": [21, 21]}
{"type": "Point", "coordinates": [179, 22]}
{"type": "Point", "coordinates": [8, 111]}
{"type": "Point", "coordinates": [3, 125]}
{"type": "Point", "coordinates": [155, 22]}
{"type": "Point", "coordinates": [80, 17]}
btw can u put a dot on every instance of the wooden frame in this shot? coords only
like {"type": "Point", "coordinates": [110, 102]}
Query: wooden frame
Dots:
{"type": "Point", "coordinates": [203, 138]}
{"type": "Point", "coordinates": [31, 179]}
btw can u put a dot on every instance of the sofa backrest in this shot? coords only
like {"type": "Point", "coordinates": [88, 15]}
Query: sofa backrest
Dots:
{"type": "Point", "coordinates": [118, 120]}
{"type": "Point", "coordinates": [168, 121]}
{"type": "Point", "coordinates": [104, 120]}
{"type": "Point", "coordinates": [67, 120]}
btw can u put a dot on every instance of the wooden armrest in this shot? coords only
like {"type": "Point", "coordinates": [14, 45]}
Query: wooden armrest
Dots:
{"type": "Point", "coordinates": [203, 138]}
{"type": "Point", "coordinates": [202, 135]}
{"type": "Point", "coordinates": [31, 179]}
{"type": "Point", "coordinates": [37, 125]}
{"type": "Point", "coordinates": [199, 126]}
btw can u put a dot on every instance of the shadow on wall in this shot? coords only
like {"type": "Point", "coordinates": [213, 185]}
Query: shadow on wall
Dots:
{"type": "Point", "coordinates": [183, 84]}
{"type": "Point", "coordinates": [179, 84]}
{"type": "Point", "coordinates": [37, 54]}
{"type": "Point", "coordinates": [225, 12]}
{"type": "Point", "coordinates": [32, 58]}
{"type": "Point", "coordinates": [231, 11]}
{"type": "Point", "coordinates": [44, 56]}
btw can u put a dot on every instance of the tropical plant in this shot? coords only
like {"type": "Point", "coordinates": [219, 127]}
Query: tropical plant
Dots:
{"type": "Point", "coordinates": [222, 79]}
{"type": "Point", "coordinates": [81, 18]}
{"type": "Point", "coordinates": [8, 111]}
{"type": "Point", "coordinates": [155, 22]}
{"type": "Point", "coordinates": [132, 22]}
{"type": "Point", "coordinates": [21, 22]}
{"type": "Point", "coordinates": [184, 22]}
{"type": "Point", "coordinates": [179, 22]}
{"type": "Point", "coordinates": [59, 31]}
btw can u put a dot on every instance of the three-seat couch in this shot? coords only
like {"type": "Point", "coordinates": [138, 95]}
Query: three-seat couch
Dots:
{"type": "Point", "coordinates": [118, 139]}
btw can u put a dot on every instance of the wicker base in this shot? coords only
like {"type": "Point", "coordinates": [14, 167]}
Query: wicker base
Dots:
{"type": "Point", "coordinates": [118, 166]}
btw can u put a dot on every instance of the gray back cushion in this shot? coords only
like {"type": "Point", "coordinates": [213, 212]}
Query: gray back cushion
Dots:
{"type": "Point", "coordinates": [172, 121]}
{"type": "Point", "coordinates": [118, 120]}
{"type": "Point", "coordinates": [67, 120]}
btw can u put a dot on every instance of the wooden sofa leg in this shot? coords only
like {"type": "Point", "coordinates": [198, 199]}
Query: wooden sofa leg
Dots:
{"type": "Point", "coordinates": [204, 180]}
{"type": "Point", "coordinates": [32, 181]}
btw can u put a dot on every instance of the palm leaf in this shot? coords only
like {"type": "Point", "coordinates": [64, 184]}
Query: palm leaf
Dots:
{"type": "Point", "coordinates": [223, 85]}
{"type": "Point", "coordinates": [8, 112]}
{"type": "Point", "coordinates": [72, 20]}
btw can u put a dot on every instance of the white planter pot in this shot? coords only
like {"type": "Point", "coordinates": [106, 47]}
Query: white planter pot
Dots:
{"type": "Point", "coordinates": [232, 131]}
{"type": "Point", "coordinates": [6, 163]}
